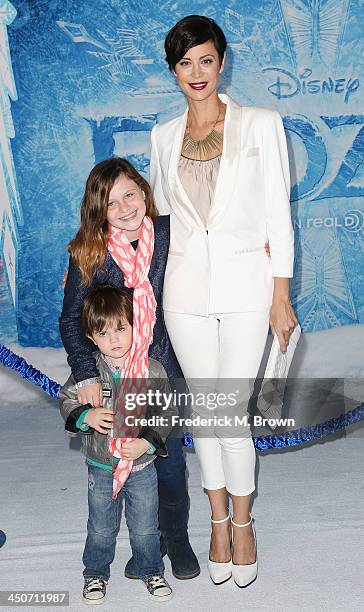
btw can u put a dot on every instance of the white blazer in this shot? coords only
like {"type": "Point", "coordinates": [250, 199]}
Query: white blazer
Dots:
{"type": "Point", "coordinates": [223, 267]}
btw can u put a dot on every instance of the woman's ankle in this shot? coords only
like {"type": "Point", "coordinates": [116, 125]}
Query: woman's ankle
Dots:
{"type": "Point", "coordinates": [220, 543]}
{"type": "Point", "coordinates": [244, 546]}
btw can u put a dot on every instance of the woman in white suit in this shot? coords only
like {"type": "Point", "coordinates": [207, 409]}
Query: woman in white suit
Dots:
{"type": "Point", "coordinates": [221, 171]}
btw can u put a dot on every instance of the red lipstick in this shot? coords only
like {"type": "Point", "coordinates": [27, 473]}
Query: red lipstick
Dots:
{"type": "Point", "coordinates": [198, 86]}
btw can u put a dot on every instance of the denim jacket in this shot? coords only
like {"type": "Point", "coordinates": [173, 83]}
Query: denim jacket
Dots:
{"type": "Point", "coordinates": [95, 445]}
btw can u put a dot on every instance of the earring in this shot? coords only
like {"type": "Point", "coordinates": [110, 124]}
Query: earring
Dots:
{"type": "Point", "coordinates": [143, 192]}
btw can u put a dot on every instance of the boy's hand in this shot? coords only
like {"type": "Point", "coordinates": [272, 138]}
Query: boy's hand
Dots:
{"type": "Point", "coordinates": [90, 394]}
{"type": "Point", "coordinates": [100, 419]}
{"type": "Point", "coordinates": [134, 449]}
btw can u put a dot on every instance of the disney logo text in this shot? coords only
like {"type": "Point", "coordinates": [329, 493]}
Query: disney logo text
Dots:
{"type": "Point", "coordinates": [292, 85]}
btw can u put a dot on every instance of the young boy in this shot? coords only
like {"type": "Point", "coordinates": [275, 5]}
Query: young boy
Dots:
{"type": "Point", "coordinates": [107, 319]}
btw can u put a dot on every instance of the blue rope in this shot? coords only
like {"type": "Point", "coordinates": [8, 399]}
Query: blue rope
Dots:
{"type": "Point", "coordinates": [302, 435]}
{"type": "Point", "coordinates": [262, 443]}
{"type": "Point", "coordinates": [27, 371]}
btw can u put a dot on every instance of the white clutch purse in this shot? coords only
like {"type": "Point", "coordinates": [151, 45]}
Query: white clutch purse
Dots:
{"type": "Point", "coordinates": [270, 398]}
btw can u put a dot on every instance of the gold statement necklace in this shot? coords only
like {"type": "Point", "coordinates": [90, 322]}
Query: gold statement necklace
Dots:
{"type": "Point", "coordinates": [202, 149]}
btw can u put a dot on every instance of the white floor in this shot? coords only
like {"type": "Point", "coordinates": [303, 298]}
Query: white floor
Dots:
{"type": "Point", "coordinates": [308, 508]}
{"type": "Point", "coordinates": [308, 513]}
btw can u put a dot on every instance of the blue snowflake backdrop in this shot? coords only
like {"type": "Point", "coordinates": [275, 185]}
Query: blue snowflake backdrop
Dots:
{"type": "Point", "coordinates": [91, 82]}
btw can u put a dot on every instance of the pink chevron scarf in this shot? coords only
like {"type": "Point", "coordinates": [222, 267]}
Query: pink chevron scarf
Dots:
{"type": "Point", "coordinates": [135, 267]}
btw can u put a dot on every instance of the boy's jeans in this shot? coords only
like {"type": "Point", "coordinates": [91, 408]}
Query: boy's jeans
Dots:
{"type": "Point", "coordinates": [141, 512]}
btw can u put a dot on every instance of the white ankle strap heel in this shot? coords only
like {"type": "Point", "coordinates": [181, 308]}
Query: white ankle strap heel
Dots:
{"type": "Point", "coordinates": [245, 574]}
{"type": "Point", "coordinates": [221, 520]}
{"type": "Point", "coordinates": [245, 524]}
{"type": "Point", "coordinates": [219, 572]}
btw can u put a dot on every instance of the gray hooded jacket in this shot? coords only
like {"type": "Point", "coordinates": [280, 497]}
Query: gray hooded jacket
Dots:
{"type": "Point", "coordinates": [95, 445]}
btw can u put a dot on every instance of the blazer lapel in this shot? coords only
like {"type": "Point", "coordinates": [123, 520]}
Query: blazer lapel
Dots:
{"type": "Point", "coordinates": [228, 166]}
{"type": "Point", "coordinates": [229, 163]}
{"type": "Point", "coordinates": [173, 178]}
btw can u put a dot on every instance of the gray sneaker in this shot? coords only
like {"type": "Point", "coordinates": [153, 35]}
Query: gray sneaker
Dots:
{"type": "Point", "coordinates": [94, 590]}
{"type": "Point", "coordinates": [158, 588]}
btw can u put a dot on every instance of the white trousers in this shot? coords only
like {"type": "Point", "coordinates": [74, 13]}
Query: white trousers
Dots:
{"type": "Point", "coordinates": [218, 353]}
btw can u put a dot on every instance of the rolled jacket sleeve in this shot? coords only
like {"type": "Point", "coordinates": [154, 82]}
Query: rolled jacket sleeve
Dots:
{"type": "Point", "coordinates": [277, 192]}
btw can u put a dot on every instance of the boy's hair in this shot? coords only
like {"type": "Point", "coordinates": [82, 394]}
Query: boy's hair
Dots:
{"type": "Point", "coordinates": [104, 306]}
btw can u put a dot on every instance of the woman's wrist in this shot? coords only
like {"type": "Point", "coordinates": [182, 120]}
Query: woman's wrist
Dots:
{"type": "Point", "coordinates": [281, 298]}
{"type": "Point", "coordinates": [281, 290]}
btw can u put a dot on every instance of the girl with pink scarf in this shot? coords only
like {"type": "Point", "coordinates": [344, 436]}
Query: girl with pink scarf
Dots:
{"type": "Point", "coordinates": [122, 241]}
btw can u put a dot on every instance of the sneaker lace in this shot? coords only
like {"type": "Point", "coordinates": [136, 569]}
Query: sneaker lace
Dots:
{"type": "Point", "coordinates": [156, 581]}
{"type": "Point", "coordinates": [95, 583]}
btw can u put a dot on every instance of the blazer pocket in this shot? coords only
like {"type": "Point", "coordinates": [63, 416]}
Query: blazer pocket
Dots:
{"type": "Point", "coordinates": [249, 250]}
{"type": "Point", "coordinates": [252, 152]}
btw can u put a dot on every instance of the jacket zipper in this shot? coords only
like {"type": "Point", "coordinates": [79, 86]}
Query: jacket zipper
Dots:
{"type": "Point", "coordinates": [114, 390]}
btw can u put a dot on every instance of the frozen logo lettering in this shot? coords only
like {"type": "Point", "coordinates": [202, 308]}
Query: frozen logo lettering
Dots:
{"type": "Point", "coordinates": [311, 184]}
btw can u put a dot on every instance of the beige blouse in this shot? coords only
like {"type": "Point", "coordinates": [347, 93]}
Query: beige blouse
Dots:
{"type": "Point", "coordinates": [198, 179]}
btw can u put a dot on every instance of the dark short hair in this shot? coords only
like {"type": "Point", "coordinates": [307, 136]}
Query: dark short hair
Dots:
{"type": "Point", "coordinates": [192, 31]}
{"type": "Point", "coordinates": [106, 305]}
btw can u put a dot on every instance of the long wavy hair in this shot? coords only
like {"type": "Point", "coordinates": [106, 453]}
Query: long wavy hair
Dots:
{"type": "Point", "coordinates": [89, 247]}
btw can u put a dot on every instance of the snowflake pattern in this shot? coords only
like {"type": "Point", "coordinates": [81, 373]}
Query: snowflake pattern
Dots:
{"type": "Point", "coordinates": [92, 81]}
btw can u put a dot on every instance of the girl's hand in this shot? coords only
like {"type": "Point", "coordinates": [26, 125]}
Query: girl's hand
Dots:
{"type": "Point", "coordinates": [90, 394]}
{"type": "Point", "coordinates": [100, 419]}
{"type": "Point", "coordinates": [282, 321]}
{"type": "Point", "coordinates": [134, 449]}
